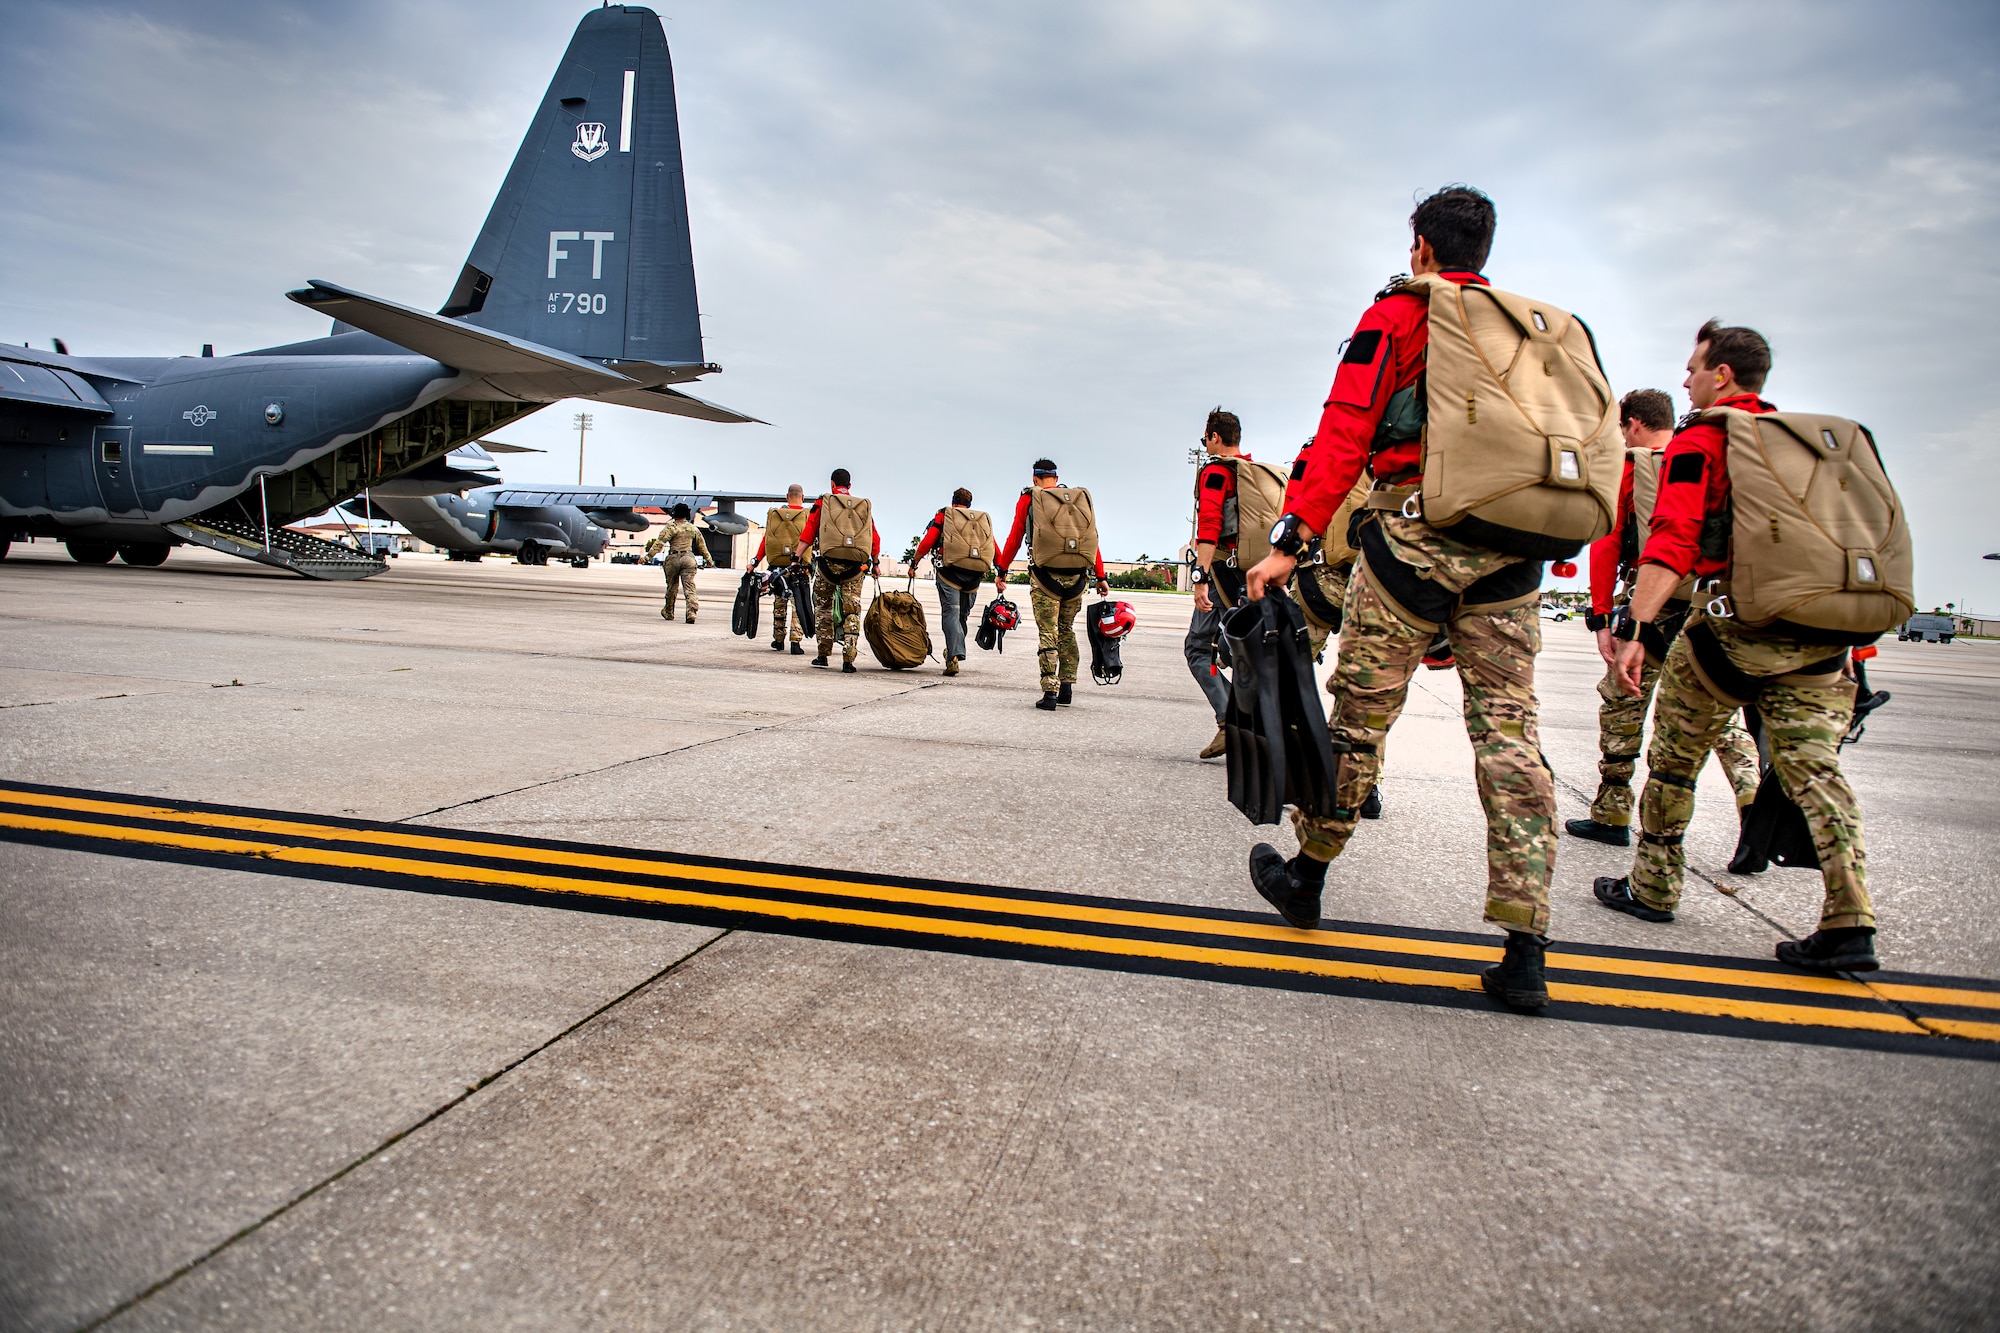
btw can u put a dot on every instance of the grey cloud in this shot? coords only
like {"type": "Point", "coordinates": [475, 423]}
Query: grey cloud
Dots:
{"type": "Point", "coordinates": [934, 241]}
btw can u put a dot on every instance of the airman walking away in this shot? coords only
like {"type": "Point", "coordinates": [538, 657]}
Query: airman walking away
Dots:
{"type": "Point", "coordinates": [1646, 418]}
{"type": "Point", "coordinates": [1060, 526]}
{"type": "Point", "coordinates": [1748, 487]}
{"type": "Point", "coordinates": [782, 526]}
{"type": "Point", "coordinates": [841, 539]}
{"type": "Point", "coordinates": [1470, 496]}
{"type": "Point", "coordinates": [681, 542]}
{"type": "Point", "coordinates": [959, 541]}
{"type": "Point", "coordinates": [1219, 502]}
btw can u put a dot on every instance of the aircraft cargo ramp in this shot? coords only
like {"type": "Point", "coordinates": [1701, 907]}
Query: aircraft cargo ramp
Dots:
{"type": "Point", "coordinates": [467, 947]}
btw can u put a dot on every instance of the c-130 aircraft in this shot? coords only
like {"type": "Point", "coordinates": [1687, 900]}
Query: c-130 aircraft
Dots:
{"type": "Point", "coordinates": [580, 285]}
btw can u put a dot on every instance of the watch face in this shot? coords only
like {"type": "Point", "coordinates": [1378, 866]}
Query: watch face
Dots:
{"type": "Point", "coordinates": [1278, 532]}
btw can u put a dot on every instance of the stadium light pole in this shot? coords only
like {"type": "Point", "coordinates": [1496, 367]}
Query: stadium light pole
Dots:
{"type": "Point", "coordinates": [582, 423]}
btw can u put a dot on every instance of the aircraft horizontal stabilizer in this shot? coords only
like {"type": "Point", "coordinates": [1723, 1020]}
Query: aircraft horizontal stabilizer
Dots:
{"type": "Point", "coordinates": [462, 346]}
{"type": "Point", "coordinates": [678, 404]}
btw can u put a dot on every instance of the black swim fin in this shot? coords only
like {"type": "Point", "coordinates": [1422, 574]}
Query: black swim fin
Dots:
{"type": "Point", "coordinates": [1279, 750]}
{"type": "Point", "coordinates": [799, 578]}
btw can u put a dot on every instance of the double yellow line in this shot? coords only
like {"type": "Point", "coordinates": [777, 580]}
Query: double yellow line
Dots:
{"type": "Point", "coordinates": [1657, 982]}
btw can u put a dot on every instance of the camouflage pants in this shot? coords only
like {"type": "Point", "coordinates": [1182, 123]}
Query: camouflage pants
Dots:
{"type": "Point", "coordinates": [1333, 581]}
{"type": "Point", "coordinates": [850, 611]}
{"type": "Point", "coordinates": [1055, 634]}
{"type": "Point", "coordinates": [1495, 650]}
{"type": "Point", "coordinates": [1621, 721]}
{"type": "Point", "coordinates": [679, 570]}
{"type": "Point", "coordinates": [781, 607]}
{"type": "Point", "coordinates": [1803, 724]}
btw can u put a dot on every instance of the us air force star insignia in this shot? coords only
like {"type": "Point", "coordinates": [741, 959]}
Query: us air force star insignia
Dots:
{"type": "Point", "coordinates": [590, 143]}
{"type": "Point", "coordinates": [200, 414]}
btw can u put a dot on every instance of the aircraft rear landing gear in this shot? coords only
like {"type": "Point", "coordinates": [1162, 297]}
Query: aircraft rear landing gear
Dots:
{"type": "Point", "coordinates": [144, 554]}
{"type": "Point", "coordinates": [532, 554]}
{"type": "Point", "coordinates": [87, 552]}
{"type": "Point", "coordinates": [579, 562]}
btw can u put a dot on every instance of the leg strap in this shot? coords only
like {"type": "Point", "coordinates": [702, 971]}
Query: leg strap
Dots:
{"type": "Point", "coordinates": [1685, 784]}
{"type": "Point", "coordinates": [1661, 839]}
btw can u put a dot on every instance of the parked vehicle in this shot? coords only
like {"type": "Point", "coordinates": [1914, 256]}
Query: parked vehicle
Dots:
{"type": "Point", "coordinates": [1927, 627]}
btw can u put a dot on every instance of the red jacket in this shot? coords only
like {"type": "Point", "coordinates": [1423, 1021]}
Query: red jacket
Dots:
{"type": "Point", "coordinates": [760, 541]}
{"type": "Point", "coordinates": [1384, 357]}
{"type": "Point", "coordinates": [1695, 485]}
{"type": "Point", "coordinates": [810, 532]}
{"type": "Point", "coordinates": [1004, 557]}
{"type": "Point", "coordinates": [1214, 486]}
{"type": "Point", "coordinates": [1604, 551]}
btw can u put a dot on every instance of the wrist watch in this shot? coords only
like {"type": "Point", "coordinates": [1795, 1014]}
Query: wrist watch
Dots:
{"type": "Point", "coordinates": [1286, 538]}
{"type": "Point", "coordinates": [1623, 626]}
{"type": "Point", "coordinates": [1596, 621]}
{"type": "Point", "coordinates": [1196, 574]}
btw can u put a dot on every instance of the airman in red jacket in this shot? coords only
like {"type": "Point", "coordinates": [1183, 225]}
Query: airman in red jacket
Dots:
{"type": "Point", "coordinates": [1803, 696]}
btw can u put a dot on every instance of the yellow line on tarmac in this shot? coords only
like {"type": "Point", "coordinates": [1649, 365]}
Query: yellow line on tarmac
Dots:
{"type": "Point", "coordinates": [1706, 1006]}
{"type": "Point", "coordinates": [1100, 915]}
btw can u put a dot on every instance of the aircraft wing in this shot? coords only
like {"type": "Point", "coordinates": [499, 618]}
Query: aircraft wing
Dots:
{"type": "Point", "coordinates": [676, 403]}
{"type": "Point", "coordinates": [47, 385]}
{"type": "Point", "coordinates": [462, 346]}
{"type": "Point", "coordinates": [582, 498]}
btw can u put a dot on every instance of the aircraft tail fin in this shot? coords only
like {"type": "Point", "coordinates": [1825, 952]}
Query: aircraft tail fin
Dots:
{"type": "Point", "coordinates": [586, 248]}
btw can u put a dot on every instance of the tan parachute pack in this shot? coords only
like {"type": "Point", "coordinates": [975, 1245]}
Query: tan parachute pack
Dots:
{"type": "Point", "coordinates": [965, 540]}
{"type": "Point", "coordinates": [1260, 503]}
{"type": "Point", "coordinates": [1521, 445]}
{"type": "Point", "coordinates": [1646, 494]}
{"type": "Point", "coordinates": [1818, 540]}
{"type": "Point", "coordinates": [782, 527]}
{"type": "Point", "coordinates": [846, 528]}
{"type": "Point", "coordinates": [1064, 539]}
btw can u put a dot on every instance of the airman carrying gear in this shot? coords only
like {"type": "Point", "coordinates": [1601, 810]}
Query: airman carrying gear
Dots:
{"type": "Point", "coordinates": [783, 525]}
{"type": "Point", "coordinates": [841, 531]}
{"type": "Point", "coordinates": [1059, 526]}
{"type": "Point", "coordinates": [679, 542]}
{"type": "Point", "coordinates": [959, 540]}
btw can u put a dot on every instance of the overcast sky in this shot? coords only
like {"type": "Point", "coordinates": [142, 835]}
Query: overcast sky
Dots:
{"type": "Point", "coordinates": [933, 241]}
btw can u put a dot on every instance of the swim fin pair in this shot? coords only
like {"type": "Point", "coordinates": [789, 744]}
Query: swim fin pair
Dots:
{"type": "Point", "coordinates": [799, 579]}
{"type": "Point", "coordinates": [1279, 750]}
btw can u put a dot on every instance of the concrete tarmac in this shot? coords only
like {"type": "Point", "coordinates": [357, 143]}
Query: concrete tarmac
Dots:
{"type": "Point", "coordinates": [237, 1099]}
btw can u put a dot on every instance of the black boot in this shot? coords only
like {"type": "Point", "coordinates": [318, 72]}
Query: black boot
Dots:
{"type": "Point", "coordinates": [1372, 807]}
{"type": "Point", "coordinates": [798, 651]}
{"type": "Point", "coordinates": [1519, 978]}
{"type": "Point", "coordinates": [777, 645]}
{"type": "Point", "coordinates": [1611, 835]}
{"type": "Point", "coordinates": [820, 660]}
{"type": "Point", "coordinates": [1293, 887]}
{"type": "Point", "coordinates": [1617, 895]}
{"type": "Point", "coordinates": [1047, 703]}
{"type": "Point", "coordinates": [848, 665]}
{"type": "Point", "coordinates": [1844, 949]}
{"type": "Point", "coordinates": [1062, 694]}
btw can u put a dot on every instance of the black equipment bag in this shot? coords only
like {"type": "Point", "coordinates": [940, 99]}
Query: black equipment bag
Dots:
{"type": "Point", "coordinates": [743, 616]}
{"type": "Point", "coordinates": [1105, 666]}
{"type": "Point", "coordinates": [991, 635]}
{"type": "Point", "coordinates": [1279, 752]}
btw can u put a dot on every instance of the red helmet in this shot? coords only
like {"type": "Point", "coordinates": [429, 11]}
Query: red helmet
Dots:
{"type": "Point", "coordinates": [1115, 619]}
{"type": "Point", "coordinates": [1003, 614]}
